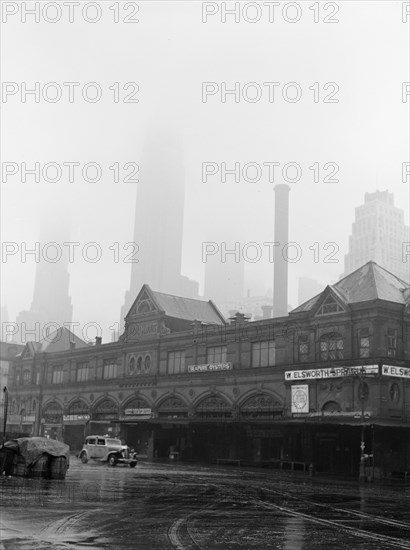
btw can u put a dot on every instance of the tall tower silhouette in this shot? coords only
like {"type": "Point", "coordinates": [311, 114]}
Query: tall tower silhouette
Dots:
{"type": "Point", "coordinates": [51, 305]}
{"type": "Point", "coordinates": [159, 218]}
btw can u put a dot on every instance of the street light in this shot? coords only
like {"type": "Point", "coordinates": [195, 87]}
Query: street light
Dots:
{"type": "Point", "coordinates": [6, 404]}
{"type": "Point", "coordinates": [362, 474]}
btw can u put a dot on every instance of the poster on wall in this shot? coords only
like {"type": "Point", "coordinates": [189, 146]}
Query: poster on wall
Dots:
{"type": "Point", "coordinates": [300, 398]}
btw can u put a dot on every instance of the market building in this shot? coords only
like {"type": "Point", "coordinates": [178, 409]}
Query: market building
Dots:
{"type": "Point", "coordinates": [327, 385]}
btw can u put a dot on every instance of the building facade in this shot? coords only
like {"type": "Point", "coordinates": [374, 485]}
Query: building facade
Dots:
{"type": "Point", "coordinates": [303, 389]}
{"type": "Point", "coordinates": [379, 234]}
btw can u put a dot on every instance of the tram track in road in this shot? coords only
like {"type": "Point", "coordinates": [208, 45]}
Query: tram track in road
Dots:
{"type": "Point", "coordinates": [362, 515]}
{"type": "Point", "coordinates": [181, 536]}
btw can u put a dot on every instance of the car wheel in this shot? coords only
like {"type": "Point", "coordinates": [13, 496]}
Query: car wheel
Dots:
{"type": "Point", "coordinates": [84, 458]}
{"type": "Point", "coordinates": [133, 464]}
{"type": "Point", "coordinates": [112, 461]}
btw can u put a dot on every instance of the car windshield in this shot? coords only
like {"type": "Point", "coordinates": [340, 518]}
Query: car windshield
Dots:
{"type": "Point", "coordinates": [113, 442]}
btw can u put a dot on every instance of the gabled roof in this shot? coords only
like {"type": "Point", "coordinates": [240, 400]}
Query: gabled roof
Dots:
{"type": "Point", "coordinates": [59, 340]}
{"type": "Point", "coordinates": [9, 350]}
{"type": "Point", "coordinates": [372, 282]}
{"type": "Point", "coordinates": [189, 309]}
{"type": "Point", "coordinates": [178, 307]}
{"type": "Point", "coordinates": [369, 282]}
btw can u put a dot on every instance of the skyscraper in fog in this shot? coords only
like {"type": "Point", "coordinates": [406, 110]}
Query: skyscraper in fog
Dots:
{"type": "Point", "coordinates": [51, 305]}
{"type": "Point", "coordinates": [379, 234]}
{"type": "Point", "coordinates": [159, 218]}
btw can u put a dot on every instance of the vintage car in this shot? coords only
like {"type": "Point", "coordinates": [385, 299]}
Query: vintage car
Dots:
{"type": "Point", "coordinates": [105, 448]}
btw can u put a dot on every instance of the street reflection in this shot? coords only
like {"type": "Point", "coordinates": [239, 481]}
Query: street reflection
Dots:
{"type": "Point", "coordinates": [295, 532]}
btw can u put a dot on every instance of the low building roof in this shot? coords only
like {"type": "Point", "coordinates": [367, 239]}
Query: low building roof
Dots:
{"type": "Point", "coordinates": [187, 309]}
{"type": "Point", "coordinates": [369, 282]}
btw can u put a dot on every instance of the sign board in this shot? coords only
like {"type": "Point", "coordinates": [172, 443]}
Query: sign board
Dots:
{"type": "Point", "coordinates": [330, 372]}
{"type": "Point", "coordinates": [137, 412]}
{"type": "Point", "coordinates": [210, 367]}
{"type": "Point", "coordinates": [76, 418]}
{"type": "Point", "coordinates": [149, 328]}
{"type": "Point", "coordinates": [399, 372]}
{"type": "Point", "coordinates": [134, 417]}
{"type": "Point", "coordinates": [300, 398]}
{"type": "Point", "coordinates": [14, 419]}
{"type": "Point", "coordinates": [344, 414]}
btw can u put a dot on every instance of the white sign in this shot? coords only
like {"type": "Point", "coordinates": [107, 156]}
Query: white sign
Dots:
{"type": "Point", "coordinates": [331, 372]}
{"type": "Point", "coordinates": [210, 367]}
{"type": "Point", "coordinates": [300, 398]}
{"type": "Point", "coordinates": [76, 417]}
{"type": "Point", "coordinates": [400, 372]}
{"type": "Point", "coordinates": [137, 412]}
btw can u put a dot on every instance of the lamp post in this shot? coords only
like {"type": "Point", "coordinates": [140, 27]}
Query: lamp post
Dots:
{"type": "Point", "coordinates": [5, 410]}
{"type": "Point", "coordinates": [362, 474]}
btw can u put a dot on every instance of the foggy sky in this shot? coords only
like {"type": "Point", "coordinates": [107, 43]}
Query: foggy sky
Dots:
{"type": "Point", "coordinates": [169, 53]}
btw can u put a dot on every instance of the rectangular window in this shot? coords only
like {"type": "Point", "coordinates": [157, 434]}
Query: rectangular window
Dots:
{"type": "Point", "coordinates": [364, 343]}
{"type": "Point", "coordinates": [216, 354]}
{"type": "Point", "coordinates": [391, 342]}
{"type": "Point", "coordinates": [82, 372]}
{"type": "Point", "coordinates": [58, 375]}
{"type": "Point", "coordinates": [303, 351]}
{"type": "Point", "coordinates": [331, 349]}
{"type": "Point", "coordinates": [110, 369]}
{"type": "Point", "coordinates": [263, 354]}
{"type": "Point", "coordinates": [176, 362]}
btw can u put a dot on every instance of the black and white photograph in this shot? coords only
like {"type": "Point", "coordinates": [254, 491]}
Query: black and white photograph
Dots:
{"type": "Point", "coordinates": [205, 275]}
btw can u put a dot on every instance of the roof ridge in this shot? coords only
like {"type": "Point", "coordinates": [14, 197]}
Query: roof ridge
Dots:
{"type": "Point", "coordinates": [181, 297]}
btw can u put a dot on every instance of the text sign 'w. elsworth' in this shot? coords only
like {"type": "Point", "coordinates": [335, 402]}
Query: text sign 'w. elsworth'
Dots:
{"type": "Point", "coordinates": [400, 372]}
{"type": "Point", "coordinates": [210, 367]}
{"type": "Point", "coordinates": [331, 372]}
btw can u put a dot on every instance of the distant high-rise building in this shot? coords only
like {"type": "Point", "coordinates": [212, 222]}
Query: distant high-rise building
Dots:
{"type": "Point", "coordinates": [379, 234]}
{"type": "Point", "coordinates": [51, 306]}
{"type": "Point", "coordinates": [308, 288]}
{"type": "Point", "coordinates": [159, 218]}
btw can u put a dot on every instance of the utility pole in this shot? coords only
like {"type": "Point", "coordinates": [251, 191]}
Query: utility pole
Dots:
{"type": "Point", "coordinates": [362, 472]}
{"type": "Point", "coordinates": [5, 410]}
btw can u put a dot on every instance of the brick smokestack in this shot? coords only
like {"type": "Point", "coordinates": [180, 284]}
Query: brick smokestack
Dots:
{"type": "Point", "coordinates": [280, 265]}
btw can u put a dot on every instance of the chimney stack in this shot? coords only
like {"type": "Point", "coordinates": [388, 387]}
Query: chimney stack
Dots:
{"type": "Point", "coordinates": [280, 265]}
{"type": "Point", "coordinates": [98, 340]}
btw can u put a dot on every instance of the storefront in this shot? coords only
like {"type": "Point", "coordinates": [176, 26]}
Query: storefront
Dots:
{"type": "Point", "coordinates": [52, 421]}
{"type": "Point", "coordinates": [134, 426]}
{"type": "Point", "coordinates": [75, 424]}
{"type": "Point", "coordinates": [104, 418]}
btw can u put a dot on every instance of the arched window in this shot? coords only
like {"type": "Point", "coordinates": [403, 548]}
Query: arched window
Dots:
{"type": "Point", "coordinates": [26, 377]}
{"type": "Point", "coordinates": [147, 363]}
{"type": "Point", "coordinates": [131, 366]}
{"type": "Point", "coordinates": [139, 364]}
{"type": "Point", "coordinates": [331, 407]}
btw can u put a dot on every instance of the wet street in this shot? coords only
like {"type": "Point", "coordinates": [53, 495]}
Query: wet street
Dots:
{"type": "Point", "coordinates": [174, 505]}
